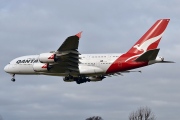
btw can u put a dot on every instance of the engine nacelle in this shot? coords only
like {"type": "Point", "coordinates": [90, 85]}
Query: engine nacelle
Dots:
{"type": "Point", "coordinates": [47, 57]}
{"type": "Point", "coordinates": [41, 67]}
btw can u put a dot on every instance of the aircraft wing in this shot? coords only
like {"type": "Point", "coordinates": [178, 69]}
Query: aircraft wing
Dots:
{"type": "Point", "coordinates": [68, 56]}
{"type": "Point", "coordinates": [71, 43]}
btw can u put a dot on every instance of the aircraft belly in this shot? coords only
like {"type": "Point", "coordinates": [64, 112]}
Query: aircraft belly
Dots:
{"type": "Point", "coordinates": [23, 69]}
{"type": "Point", "coordinates": [90, 70]}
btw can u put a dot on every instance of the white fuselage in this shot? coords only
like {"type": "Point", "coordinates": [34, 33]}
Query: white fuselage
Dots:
{"type": "Point", "coordinates": [89, 64]}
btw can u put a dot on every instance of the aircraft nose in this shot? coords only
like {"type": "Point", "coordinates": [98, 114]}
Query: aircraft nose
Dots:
{"type": "Point", "coordinates": [6, 68]}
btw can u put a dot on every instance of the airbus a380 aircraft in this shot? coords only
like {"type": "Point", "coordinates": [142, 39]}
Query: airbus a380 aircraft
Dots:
{"type": "Point", "coordinates": [68, 62]}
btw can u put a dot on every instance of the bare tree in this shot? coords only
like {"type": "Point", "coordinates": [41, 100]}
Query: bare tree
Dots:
{"type": "Point", "coordinates": [143, 113]}
{"type": "Point", "coordinates": [94, 118]}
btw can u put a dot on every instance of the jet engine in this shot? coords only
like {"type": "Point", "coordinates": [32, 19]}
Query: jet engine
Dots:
{"type": "Point", "coordinates": [41, 67]}
{"type": "Point", "coordinates": [47, 57]}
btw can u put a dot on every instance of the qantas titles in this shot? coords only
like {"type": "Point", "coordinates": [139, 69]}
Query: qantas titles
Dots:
{"type": "Point", "coordinates": [30, 60]}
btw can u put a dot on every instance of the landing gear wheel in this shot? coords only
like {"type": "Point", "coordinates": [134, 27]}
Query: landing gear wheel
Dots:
{"type": "Point", "coordinates": [13, 80]}
{"type": "Point", "coordinates": [81, 79]}
{"type": "Point", "coordinates": [78, 82]}
{"type": "Point", "coordinates": [66, 78]}
{"type": "Point", "coordinates": [70, 76]}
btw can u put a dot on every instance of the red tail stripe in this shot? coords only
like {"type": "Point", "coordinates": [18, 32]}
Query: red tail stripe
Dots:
{"type": "Point", "coordinates": [157, 29]}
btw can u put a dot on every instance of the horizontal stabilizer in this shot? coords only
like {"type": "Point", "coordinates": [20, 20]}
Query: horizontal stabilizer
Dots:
{"type": "Point", "coordinates": [166, 62]}
{"type": "Point", "coordinates": [128, 71]}
{"type": "Point", "coordinates": [148, 55]}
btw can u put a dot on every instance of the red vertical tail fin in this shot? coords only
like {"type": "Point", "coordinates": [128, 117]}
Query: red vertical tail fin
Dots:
{"type": "Point", "coordinates": [151, 38]}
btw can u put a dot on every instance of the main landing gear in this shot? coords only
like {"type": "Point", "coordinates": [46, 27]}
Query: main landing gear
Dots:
{"type": "Point", "coordinates": [13, 78]}
{"type": "Point", "coordinates": [79, 79]}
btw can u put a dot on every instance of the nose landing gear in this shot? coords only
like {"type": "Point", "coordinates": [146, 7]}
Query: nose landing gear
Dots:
{"type": "Point", "coordinates": [13, 78]}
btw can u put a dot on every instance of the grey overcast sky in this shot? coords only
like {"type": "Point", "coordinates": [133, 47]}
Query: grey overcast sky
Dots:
{"type": "Point", "coordinates": [109, 26]}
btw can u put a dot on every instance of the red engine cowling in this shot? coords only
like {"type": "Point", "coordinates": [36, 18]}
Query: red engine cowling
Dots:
{"type": "Point", "coordinates": [40, 67]}
{"type": "Point", "coordinates": [47, 57]}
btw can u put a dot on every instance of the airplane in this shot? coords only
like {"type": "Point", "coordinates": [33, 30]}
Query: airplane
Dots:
{"type": "Point", "coordinates": [81, 68]}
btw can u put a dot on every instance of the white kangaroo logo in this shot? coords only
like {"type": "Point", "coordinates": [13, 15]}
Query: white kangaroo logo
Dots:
{"type": "Point", "coordinates": [137, 47]}
{"type": "Point", "coordinates": [144, 46]}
